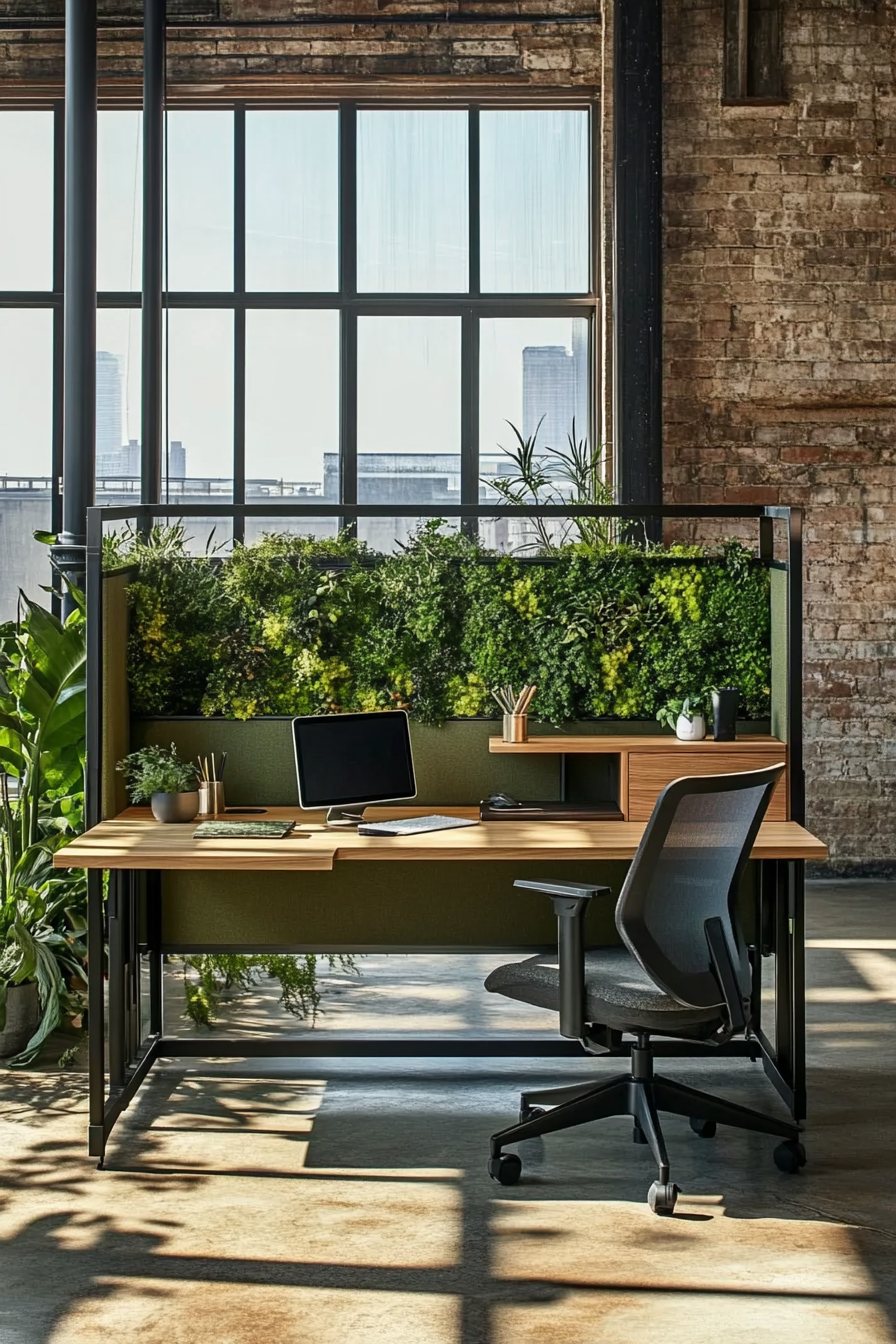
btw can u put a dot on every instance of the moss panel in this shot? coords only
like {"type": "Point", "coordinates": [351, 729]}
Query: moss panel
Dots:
{"type": "Point", "coordinates": [452, 764]}
{"type": "Point", "coordinates": [377, 905]}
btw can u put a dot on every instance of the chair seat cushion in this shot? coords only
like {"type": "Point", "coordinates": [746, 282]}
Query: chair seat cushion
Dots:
{"type": "Point", "coordinates": [618, 993]}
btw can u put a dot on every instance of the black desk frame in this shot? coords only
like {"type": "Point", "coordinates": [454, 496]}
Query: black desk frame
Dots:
{"type": "Point", "coordinates": [780, 915]}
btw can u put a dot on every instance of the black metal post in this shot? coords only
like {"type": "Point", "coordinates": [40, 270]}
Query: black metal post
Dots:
{"type": "Point", "coordinates": [80, 290]}
{"type": "Point", "coordinates": [153, 154]}
{"type": "Point", "coordinates": [637, 251]}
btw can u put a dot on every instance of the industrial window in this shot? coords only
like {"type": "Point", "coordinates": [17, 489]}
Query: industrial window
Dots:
{"type": "Point", "coordinates": [358, 301]}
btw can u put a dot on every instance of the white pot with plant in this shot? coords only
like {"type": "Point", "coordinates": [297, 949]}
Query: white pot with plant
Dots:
{"type": "Point", "coordinates": [157, 775]}
{"type": "Point", "coordinates": [687, 717]}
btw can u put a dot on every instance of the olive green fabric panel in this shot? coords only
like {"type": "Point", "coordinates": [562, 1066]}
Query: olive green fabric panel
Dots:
{"type": "Point", "coordinates": [452, 764]}
{"type": "Point", "coordinates": [116, 710]}
{"type": "Point", "coordinates": [778, 579]}
{"type": "Point", "coordinates": [387, 905]}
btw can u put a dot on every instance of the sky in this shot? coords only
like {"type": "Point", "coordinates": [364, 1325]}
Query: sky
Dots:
{"type": "Point", "coordinates": [412, 236]}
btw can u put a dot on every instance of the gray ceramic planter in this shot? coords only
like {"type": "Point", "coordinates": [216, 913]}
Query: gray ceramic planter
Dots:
{"type": "Point", "coordinates": [22, 1018]}
{"type": "Point", "coordinates": [175, 806]}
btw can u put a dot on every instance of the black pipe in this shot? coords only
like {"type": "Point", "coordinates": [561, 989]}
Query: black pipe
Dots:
{"type": "Point", "coordinates": [153, 141]}
{"type": "Point", "coordinates": [79, 340]}
{"type": "Point", "coordinates": [637, 251]}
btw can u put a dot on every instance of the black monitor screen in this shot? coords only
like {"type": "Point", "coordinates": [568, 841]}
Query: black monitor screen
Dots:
{"type": "Point", "coordinates": [353, 758]}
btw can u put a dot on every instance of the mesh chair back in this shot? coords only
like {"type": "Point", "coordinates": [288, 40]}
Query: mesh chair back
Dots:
{"type": "Point", "coordinates": [688, 869]}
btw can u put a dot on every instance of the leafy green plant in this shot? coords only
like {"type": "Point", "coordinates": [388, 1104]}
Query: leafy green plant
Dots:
{"type": "Point", "coordinates": [156, 769]}
{"type": "Point", "coordinates": [549, 475]}
{"type": "Point", "coordinates": [688, 708]}
{"type": "Point", "coordinates": [209, 975]}
{"type": "Point", "coordinates": [305, 626]}
{"type": "Point", "coordinates": [42, 910]}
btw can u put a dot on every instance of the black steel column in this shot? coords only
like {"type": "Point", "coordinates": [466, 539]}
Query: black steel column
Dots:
{"type": "Point", "coordinates": [80, 288]}
{"type": "Point", "coordinates": [151, 448]}
{"type": "Point", "coordinates": [637, 250]}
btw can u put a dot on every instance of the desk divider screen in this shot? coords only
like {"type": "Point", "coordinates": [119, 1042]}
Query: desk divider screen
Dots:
{"type": "Point", "coordinates": [372, 905]}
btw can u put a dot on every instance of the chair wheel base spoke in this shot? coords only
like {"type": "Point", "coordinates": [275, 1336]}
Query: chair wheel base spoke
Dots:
{"type": "Point", "coordinates": [506, 1168]}
{"type": "Point", "coordinates": [705, 1128]}
{"type": "Point", "coordinates": [662, 1197]}
{"type": "Point", "coordinates": [790, 1156]}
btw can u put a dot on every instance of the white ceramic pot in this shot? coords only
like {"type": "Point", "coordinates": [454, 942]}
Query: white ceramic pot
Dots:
{"type": "Point", "coordinates": [690, 730]}
{"type": "Point", "coordinates": [175, 806]}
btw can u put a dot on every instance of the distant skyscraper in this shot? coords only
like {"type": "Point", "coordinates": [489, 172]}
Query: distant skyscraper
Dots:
{"type": "Point", "coordinates": [108, 410]}
{"type": "Point", "coordinates": [555, 390]}
{"type": "Point", "coordinates": [177, 460]}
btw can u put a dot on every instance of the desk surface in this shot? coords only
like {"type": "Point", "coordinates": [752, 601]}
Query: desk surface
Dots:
{"type": "Point", "coordinates": [135, 840]}
{"type": "Point", "coordinates": [593, 744]}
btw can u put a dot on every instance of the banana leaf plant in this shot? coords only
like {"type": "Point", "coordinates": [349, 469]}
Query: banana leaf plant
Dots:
{"type": "Point", "coordinates": [42, 753]}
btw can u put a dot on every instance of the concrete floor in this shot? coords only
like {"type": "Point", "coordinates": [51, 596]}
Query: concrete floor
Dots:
{"type": "Point", "coordinates": [277, 1203]}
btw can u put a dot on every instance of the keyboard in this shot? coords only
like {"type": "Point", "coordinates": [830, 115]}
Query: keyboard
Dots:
{"type": "Point", "coordinates": [414, 825]}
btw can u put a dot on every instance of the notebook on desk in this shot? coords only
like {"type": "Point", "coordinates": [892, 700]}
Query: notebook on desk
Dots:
{"type": "Point", "coordinates": [550, 810]}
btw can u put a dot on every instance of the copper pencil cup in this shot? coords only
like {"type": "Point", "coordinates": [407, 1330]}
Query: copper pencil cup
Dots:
{"type": "Point", "coordinates": [516, 728]}
{"type": "Point", "coordinates": [211, 798]}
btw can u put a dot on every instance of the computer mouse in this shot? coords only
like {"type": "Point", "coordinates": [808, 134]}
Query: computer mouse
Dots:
{"type": "Point", "coordinates": [499, 801]}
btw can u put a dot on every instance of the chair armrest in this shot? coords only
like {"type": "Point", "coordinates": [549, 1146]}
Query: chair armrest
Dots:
{"type": "Point", "coordinates": [570, 901]}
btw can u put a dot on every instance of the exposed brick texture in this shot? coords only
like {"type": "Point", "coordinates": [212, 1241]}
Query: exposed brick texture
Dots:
{"type": "Point", "coordinates": [780, 346]}
{"type": "Point", "coordinates": [780, 318]}
{"type": "Point", "coordinates": [554, 55]}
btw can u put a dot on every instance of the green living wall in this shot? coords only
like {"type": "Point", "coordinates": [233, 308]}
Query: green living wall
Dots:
{"type": "Point", "coordinates": [299, 626]}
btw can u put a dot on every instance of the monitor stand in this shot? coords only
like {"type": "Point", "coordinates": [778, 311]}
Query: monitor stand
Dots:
{"type": "Point", "coordinates": [344, 819]}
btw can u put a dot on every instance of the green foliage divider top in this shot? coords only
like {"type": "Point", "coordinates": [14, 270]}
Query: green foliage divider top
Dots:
{"type": "Point", "coordinates": [300, 626]}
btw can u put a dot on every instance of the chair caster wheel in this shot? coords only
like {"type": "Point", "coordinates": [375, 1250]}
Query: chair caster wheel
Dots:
{"type": "Point", "coordinates": [530, 1113]}
{"type": "Point", "coordinates": [661, 1197]}
{"type": "Point", "coordinates": [790, 1156]}
{"type": "Point", "coordinates": [705, 1128]}
{"type": "Point", "coordinates": [505, 1168]}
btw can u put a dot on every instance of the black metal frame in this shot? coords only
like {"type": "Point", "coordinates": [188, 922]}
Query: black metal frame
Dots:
{"type": "Point", "coordinates": [780, 919]}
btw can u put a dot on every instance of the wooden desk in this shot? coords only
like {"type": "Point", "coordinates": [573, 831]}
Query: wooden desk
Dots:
{"type": "Point", "coordinates": [134, 849]}
{"type": "Point", "coordinates": [135, 841]}
{"type": "Point", "coordinates": [648, 763]}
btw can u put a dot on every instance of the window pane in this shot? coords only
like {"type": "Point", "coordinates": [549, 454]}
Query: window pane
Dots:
{"type": "Point", "coordinates": [119, 200]}
{"type": "Point", "coordinates": [200, 405]}
{"type": "Point", "coordinates": [531, 370]}
{"type": "Point", "coordinates": [26, 200]}
{"type": "Point", "coordinates": [534, 193]}
{"type": "Point", "coordinates": [118, 334]}
{"type": "Point", "coordinates": [200, 200]}
{"type": "Point", "coordinates": [292, 206]}
{"type": "Point", "coordinates": [26, 428]}
{"type": "Point", "coordinates": [292, 403]}
{"type": "Point", "coordinates": [409, 417]}
{"type": "Point", "coordinates": [412, 202]}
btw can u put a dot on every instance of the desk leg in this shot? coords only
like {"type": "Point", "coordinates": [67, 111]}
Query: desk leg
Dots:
{"type": "Point", "coordinates": [96, 1009]}
{"type": "Point", "coordinates": [782, 932]}
{"type": "Point", "coordinates": [154, 945]}
{"type": "Point", "coordinates": [117, 1023]}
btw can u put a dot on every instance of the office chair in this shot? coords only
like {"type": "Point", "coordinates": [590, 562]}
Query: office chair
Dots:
{"type": "Point", "coordinates": [683, 972]}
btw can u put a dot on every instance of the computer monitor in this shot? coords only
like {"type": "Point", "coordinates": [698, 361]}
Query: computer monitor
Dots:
{"type": "Point", "coordinates": [344, 761]}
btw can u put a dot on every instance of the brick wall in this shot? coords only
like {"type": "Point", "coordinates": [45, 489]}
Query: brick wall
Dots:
{"type": "Point", "coordinates": [560, 54]}
{"type": "Point", "coordinates": [780, 326]}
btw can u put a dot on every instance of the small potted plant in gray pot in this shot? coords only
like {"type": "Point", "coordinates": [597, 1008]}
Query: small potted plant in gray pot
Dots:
{"type": "Point", "coordinates": [158, 776]}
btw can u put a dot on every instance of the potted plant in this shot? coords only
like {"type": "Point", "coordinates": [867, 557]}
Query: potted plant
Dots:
{"type": "Point", "coordinates": [686, 716]}
{"type": "Point", "coordinates": [157, 775]}
{"type": "Point", "coordinates": [42, 748]}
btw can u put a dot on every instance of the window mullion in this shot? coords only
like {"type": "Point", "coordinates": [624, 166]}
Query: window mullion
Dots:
{"type": "Point", "coordinates": [348, 272]}
{"type": "Point", "coordinates": [239, 316]}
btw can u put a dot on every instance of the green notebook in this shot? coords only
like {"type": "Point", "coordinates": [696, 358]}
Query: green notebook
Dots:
{"type": "Point", "coordinates": [267, 830]}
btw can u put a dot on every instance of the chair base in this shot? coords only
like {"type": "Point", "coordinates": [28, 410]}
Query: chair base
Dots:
{"type": "Point", "coordinates": [642, 1095]}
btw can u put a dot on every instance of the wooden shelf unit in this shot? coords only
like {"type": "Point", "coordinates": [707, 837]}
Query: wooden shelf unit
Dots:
{"type": "Point", "coordinates": [648, 763]}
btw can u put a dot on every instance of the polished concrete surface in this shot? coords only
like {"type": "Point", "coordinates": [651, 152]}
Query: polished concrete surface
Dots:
{"type": "Point", "coordinates": [274, 1201]}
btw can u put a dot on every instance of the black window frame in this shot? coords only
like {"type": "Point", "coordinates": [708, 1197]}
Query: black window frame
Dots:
{"type": "Point", "coordinates": [471, 306]}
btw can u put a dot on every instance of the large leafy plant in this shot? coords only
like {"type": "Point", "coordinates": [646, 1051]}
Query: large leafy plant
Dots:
{"type": "Point", "coordinates": [42, 745]}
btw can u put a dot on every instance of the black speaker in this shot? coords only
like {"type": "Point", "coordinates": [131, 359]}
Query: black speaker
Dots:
{"type": "Point", "coordinates": [724, 713]}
